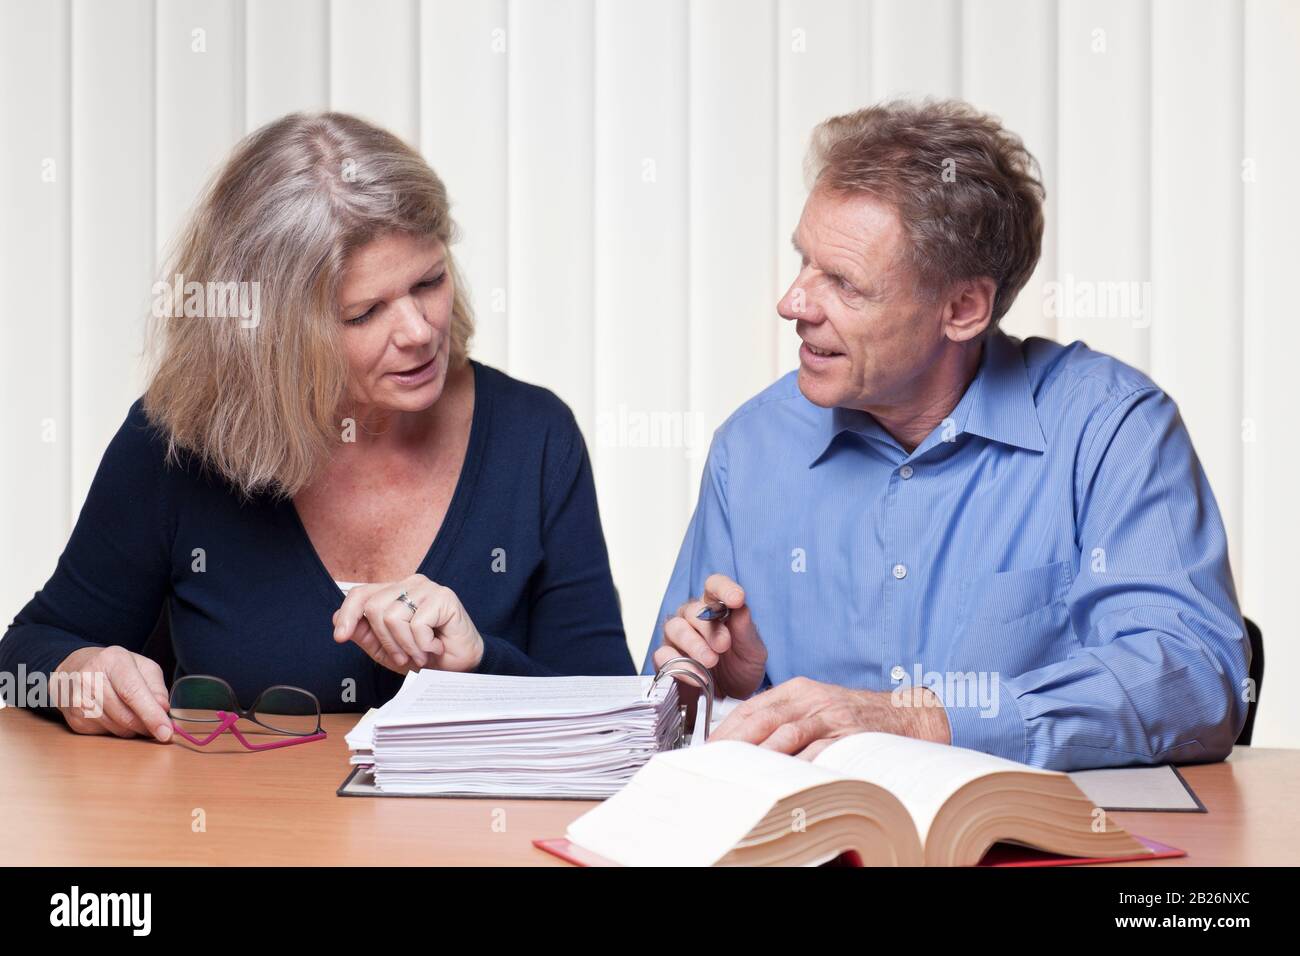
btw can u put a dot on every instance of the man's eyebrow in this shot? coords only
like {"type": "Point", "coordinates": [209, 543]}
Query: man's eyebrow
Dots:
{"type": "Point", "coordinates": [857, 280]}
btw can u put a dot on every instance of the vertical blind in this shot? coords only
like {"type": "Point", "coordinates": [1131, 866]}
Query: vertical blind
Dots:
{"type": "Point", "coordinates": [626, 175]}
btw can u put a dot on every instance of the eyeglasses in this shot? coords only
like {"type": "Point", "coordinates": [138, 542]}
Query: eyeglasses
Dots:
{"type": "Point", "coordinates": [203, 708]}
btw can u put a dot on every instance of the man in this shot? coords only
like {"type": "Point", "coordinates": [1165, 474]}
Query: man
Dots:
{"type": "Point", "coordinates": [938, 530]}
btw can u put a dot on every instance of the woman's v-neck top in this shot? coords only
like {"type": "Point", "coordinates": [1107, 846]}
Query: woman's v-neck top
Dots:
{"type": "Point", "coordinates": [249, 599]}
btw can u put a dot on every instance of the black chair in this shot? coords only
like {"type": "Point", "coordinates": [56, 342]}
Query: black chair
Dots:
{"type": "Point", "coordinates": [1257, 677]}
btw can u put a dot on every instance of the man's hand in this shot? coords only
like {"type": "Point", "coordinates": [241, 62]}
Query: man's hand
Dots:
{"type": "Point", "coordinates": [805, 717]}
{"type": "Point", "coordinates": [732, 650]}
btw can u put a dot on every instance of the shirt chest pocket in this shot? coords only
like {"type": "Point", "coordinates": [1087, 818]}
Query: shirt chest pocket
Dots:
{"type": "Point", "coordinates": [1006, 596]}
{"type": "Point", "coordinates": [1014, 621]}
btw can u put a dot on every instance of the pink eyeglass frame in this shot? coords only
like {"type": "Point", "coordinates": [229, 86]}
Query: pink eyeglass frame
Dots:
{"type": "Point", "coordinates": [228, 721]}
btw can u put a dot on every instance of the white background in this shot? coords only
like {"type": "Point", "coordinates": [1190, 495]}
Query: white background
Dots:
{"type": "Point", "coordinates": [627, 176]}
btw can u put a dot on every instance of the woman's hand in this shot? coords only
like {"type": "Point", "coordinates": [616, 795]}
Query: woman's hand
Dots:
{"type": "Point", "coordinates": [438, 634]}
{"type": "Point", "coordinates": [110, 690]}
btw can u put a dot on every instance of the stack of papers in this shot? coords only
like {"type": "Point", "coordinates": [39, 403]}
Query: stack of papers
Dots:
{"type": "Point", "coordinates": [488, 735]}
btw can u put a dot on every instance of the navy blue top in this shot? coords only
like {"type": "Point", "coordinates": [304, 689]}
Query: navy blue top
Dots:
{"type": "Point", "coordinates": [260, 612]}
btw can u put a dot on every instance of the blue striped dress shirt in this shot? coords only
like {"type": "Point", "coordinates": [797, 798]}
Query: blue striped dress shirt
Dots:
{"type": "Point", "coordinates": [1050, 560]}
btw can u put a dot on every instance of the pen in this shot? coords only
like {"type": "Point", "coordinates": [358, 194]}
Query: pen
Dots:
{"type": "Point", "coordinates": [714, 611]}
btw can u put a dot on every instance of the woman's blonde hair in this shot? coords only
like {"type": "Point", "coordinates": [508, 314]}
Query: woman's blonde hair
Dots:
{"type": "Point", "coordinates": [260, 401]}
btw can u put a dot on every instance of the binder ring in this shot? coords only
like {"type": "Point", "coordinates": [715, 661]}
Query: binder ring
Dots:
{"type": "Point", "coordinates": [699, 675]}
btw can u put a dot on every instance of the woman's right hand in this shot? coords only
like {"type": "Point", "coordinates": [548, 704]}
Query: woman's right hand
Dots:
{"type": "Point", "coordinates": [110, 690]}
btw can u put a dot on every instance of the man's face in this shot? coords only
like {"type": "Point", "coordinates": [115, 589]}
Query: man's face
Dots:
{"type": "Point", "coordinates": [867, 336]}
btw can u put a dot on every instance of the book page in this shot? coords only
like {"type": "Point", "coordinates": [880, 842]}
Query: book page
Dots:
{"type": "Point", "coordinates": [923, 775]}
{"type": "Point", "coordinates": [690, 807]}
{"type": "Point", "coordinates": [721, 710]}
{"type": "Point", "coordinates": [446, 697]}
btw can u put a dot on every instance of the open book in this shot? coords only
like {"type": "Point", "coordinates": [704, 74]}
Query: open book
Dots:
{"type": "Point", "coordinates": [891, 800]}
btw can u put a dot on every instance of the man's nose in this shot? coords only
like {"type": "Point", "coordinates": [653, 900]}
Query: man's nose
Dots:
{"type": "Point", "coordinates": [797, 304]}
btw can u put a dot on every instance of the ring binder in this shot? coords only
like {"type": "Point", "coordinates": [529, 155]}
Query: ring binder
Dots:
{"type": "Point", "coordinates": [699, 675]}
{"type": "Point", "coordinates": [451, 734]}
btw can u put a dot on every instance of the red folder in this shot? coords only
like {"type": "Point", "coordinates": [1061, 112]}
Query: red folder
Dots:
{"type": "Point", "coordinates": [1009, 854]}
{"type": "Point", "coordinates": [1002, 854]}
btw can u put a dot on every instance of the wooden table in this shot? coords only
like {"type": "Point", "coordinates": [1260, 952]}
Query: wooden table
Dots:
{"type": "Point", "coordinates": [71, 800]}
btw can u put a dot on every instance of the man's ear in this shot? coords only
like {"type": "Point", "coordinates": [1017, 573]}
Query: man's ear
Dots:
{"type": "Point", "coordinates": [969, 308]}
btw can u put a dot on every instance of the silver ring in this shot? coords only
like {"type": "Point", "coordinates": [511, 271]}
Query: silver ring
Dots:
{"type": "Point", "coordinates": [409, 603]}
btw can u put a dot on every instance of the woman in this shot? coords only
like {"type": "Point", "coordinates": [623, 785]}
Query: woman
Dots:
{"type": "Point", "coordinates": [337, 433]}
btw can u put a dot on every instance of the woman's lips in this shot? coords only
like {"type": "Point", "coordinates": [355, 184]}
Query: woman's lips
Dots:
{"type": "Point", "coordinates": [416, 375]}
{"type": "Point", "coordinates": [412, 371]}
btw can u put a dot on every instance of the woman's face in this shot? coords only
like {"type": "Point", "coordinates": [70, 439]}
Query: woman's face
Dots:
{"type": "Point", "coordinates": [395, 305]}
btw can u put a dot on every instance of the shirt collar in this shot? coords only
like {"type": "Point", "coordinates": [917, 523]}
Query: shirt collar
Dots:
{"type": "Point", "coordinates": [997, 405]}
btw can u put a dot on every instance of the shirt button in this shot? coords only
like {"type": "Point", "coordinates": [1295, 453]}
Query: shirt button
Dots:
{"type": "Point", "coordinates": [897, 673]}
{"type": "Point", "coordinates": [906, 471]}
{"type": "Point", "coordinates": [900, 571]}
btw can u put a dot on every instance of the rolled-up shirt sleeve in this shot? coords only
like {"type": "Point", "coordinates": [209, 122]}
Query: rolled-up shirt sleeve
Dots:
{"type": "Point", "coordinates": [1160, 675]}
